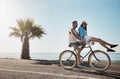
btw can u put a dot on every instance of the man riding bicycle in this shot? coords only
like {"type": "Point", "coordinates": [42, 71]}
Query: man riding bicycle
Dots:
{"type": "Point", "coordinates": [75, 40]}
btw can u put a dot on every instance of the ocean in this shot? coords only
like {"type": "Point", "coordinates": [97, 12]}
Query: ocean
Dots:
{"type": "Point", "coordinates": [51, 56]}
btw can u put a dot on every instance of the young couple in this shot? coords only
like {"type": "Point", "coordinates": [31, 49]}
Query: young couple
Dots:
{"type": "Point", "coordinates": [79, 39]}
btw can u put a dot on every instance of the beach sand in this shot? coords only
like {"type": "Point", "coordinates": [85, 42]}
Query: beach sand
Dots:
{"type": "Point", "coordinates": [50, 69]}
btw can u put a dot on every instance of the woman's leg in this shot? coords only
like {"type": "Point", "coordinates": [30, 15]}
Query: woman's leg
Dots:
{"type": "Point", "coordinates": [103, 43]}
{"type": "Point", "coordinates": [111, 45]}
{"type": "Point", "coordinates": [106, 43]}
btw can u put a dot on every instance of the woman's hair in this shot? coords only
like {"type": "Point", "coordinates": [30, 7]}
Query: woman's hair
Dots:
{"type": "Point", "coordinates": [84, 23]}
{"type": "Point", "coordinates": [84, 27]}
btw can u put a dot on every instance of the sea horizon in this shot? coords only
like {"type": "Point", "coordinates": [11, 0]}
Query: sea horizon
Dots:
{"type": "Point", "coordinates": [115, 57]}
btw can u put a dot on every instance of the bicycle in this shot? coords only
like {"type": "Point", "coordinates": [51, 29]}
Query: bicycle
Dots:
{"type": "Point", "coordinates": [97, 59]}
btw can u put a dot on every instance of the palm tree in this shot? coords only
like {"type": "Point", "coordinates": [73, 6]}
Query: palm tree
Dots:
{"type": "Point", "coordinates": [26, 30]}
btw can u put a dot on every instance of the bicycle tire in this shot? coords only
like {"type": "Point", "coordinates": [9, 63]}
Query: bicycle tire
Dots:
{"type": "Point", "coordinates": [68, 65]}
{"type": "Point", "coordinates": [99, 67]}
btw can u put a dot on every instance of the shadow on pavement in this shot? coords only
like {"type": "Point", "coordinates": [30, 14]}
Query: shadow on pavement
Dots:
{"type": "Point", "coordinates": [85, 68]}
{"type": "Point", "coordinates": [46, 62]}
{"type": "Point", "coordinates": [93, 72]}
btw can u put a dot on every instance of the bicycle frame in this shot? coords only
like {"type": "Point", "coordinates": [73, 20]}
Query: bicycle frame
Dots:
{"type": "Point", "coordinates": [75, 51]}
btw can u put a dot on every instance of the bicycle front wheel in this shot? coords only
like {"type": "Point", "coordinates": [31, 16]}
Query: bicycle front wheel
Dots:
{"type": "Point", "coordinates": [99, 60]}
{"type": "Point", "coordinates": [67, 59]}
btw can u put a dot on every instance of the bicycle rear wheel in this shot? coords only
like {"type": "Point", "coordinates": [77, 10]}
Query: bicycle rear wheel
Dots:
{"type": "Point", "coordinates": [67, 59]}
{"type": "Point", "coordinates": [99, 60]}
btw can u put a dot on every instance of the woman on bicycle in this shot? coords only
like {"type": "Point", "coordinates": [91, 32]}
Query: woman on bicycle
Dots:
{"type": "Point", "coordinates": [83, 34]}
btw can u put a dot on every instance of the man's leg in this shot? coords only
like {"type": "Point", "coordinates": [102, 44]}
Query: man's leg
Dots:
{"type": "Point", "coordinates": [78, 53]}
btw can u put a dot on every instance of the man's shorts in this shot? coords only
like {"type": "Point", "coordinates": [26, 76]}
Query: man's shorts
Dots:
{"type": "Point", "coordinates": [75, 45]}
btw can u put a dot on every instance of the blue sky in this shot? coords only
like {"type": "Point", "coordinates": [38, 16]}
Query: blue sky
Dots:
{"type": "Point", "coordinates": [55, 16]}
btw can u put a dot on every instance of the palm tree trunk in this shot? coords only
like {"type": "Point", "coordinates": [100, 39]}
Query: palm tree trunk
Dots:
{"type": "Point", "coordinates": [25, 48]}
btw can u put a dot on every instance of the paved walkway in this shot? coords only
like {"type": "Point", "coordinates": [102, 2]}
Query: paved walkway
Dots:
{"type": "Point", "coordinates": [29, 69]}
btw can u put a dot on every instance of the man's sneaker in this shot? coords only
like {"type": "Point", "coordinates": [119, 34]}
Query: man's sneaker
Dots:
{"type": "Point", "coordinates": [110, 50]}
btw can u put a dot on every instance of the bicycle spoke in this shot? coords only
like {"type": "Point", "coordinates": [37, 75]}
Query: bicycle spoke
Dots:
{"type": "Point", "coordinates": [99, 60]}
{"type": "Point", "coordinates": [67, 59]}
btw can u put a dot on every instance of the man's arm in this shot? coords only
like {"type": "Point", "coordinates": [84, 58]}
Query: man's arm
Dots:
{"type": "Point", "coordinates": [78, 37]}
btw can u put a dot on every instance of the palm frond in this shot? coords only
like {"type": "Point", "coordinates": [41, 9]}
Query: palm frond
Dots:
{"type": "Point", "coordinates": [29, 23]}
{"type": "Point", "coordinates": [21, 25]}
{"type": "Point", "coordinates": [16, 34]}
{"type": "Point", "coordinates": [14, 28]}
{"type": "Point", "coordinates": [37, 31]}
{"type": "Point", "coordinates": [25, 25]}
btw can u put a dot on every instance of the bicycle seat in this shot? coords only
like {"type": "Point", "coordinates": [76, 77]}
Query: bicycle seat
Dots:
{"type": "Point", "coordinates": [72, 45]}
